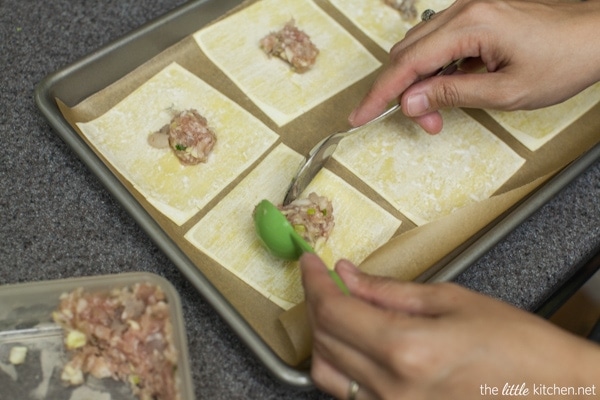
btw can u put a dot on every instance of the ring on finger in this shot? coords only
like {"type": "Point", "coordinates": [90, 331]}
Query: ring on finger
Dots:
{"type": "Point", "coordinates": [427, 14]}
{"type": "Point", "coordinates": [353, 390]}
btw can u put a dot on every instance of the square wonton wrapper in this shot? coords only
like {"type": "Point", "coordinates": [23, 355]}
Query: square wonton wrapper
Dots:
{"type": "Point", "coordinates": [178, 191]}
{"type": "Point", "coordinates": [233, 45]}
{"type": "Point", "coordinates": [382, 23]}
{"type": "Point", "coordinates": [537, 127]}
{"type": "Point", "coordinates": [429, 176]}
{"type": "Point", "coordinates": [227, 232]}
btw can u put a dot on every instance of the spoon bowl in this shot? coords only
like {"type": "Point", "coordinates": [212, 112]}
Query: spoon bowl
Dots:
{"type": "Point", "coordinates": [277, 234]}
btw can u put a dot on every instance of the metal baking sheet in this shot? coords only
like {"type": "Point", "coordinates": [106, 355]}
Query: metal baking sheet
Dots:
{"type": "Point", "coordinates": [96, 71]}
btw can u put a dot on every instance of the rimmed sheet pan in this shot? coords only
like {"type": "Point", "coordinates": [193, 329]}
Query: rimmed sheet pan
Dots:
{"type": "Point", "coordinates": [96, 71]}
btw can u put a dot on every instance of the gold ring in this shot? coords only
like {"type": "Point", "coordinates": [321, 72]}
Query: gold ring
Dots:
{"type": "Point", "coordinates": [353, 390]}
{"type": "Point", "coordinates": [427, 14]}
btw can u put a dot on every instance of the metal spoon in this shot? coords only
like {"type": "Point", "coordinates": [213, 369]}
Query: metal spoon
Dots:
{"type": "Point", "coordinates": [322, 151]}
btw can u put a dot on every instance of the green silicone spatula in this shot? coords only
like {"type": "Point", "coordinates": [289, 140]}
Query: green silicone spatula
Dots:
{"type": "Point", "coordinates": [279, 237]}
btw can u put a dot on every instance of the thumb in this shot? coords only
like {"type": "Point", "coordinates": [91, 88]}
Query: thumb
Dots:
{"type": "Point", "coordinates": [473, 90]}
{"type": "Point", "coordinates": [430, 95]}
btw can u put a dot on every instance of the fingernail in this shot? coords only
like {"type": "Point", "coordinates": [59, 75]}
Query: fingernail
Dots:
{"type": "Point", "coordinates": [417, 104]}
{"type": "Point", "coordinates": [352, 116]}
{"type": "Point", "coordinates": [347, 269]}
{"type": "Point", "coordinates": [346, 265]}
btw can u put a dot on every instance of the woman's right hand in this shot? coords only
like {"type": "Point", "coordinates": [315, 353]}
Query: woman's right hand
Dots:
{"type": "Point", "coordinates": [404, 340]}
{"type": "Point", "coordinates": [535, 54]}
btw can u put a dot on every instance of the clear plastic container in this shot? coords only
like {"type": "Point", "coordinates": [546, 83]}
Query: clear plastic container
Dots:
{"type": "Point", "coordinates": [26, 320]}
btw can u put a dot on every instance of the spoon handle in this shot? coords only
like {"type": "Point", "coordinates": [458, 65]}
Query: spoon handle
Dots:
{"type": "Point", "coordinates": [322, 151]}
{"type": "Point", "coordinates": [339, 282]}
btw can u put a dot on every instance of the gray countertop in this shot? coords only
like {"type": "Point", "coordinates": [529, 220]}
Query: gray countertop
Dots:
{"type": "Point", "coordinates": [58, 221]}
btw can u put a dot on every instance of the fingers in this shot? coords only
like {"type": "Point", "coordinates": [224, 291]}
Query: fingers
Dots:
{"type": "Point", "coordinates": [338, 355]}
{"type": "Point", "coordinates": [334, 365]}
{"type": "Point", "coordinates": [392, 81]}
{"type": "Point", "coordinates": [494, 35]}
{"type": "Point", "coordinates": [424, 28]}
{"type": "Point", "coordinates": [459, 32]}
{"type": "Point", "coordinates": [407, 65]}
{"type": "Point", "coordinates": [315, 277]}
{"type": "Point", "coordinates": [348, 339]}
{"type": "Point", "coordinates": [363, 338]}
{"type": "Point", "coordinates": [481, 90]}
{"type": "Point", "coordinates": [432, 122]}
{"type": "Point", "coordinates": [328, 378]}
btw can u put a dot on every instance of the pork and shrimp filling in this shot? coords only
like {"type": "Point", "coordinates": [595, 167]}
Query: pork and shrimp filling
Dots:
{"type": "Point", "coordinates": [291, 45]}
{"type": "Point", "coordinates": [311, 217]}
{"type": "Point", "coordinates": [123, 334]}
{"type": "Point", "coordinates": [188, 135]}
{"type": "Point", "coordinates": [406, 8]}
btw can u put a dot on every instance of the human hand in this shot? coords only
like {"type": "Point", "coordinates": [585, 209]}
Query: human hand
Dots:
{"type": "Point", "coordinates": [535, 54]}
{"type": "Point", "coordinates": [439, 341]}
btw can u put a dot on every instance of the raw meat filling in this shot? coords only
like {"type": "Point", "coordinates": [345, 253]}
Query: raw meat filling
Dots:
{"type": "Point", "coordinates": [188, 135]}
{"type": "Point", "coordinates": [291, 45]}
{"type": "Point", "coordinates": [311, 217]}
{"type": "Point", "coordinates": [124, 334]}
{"type": "Point", "coordinates": [407, 8]}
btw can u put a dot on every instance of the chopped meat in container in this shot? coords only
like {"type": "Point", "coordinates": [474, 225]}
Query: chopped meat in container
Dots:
{"type": "Point", "coordinates": [124, 334]}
